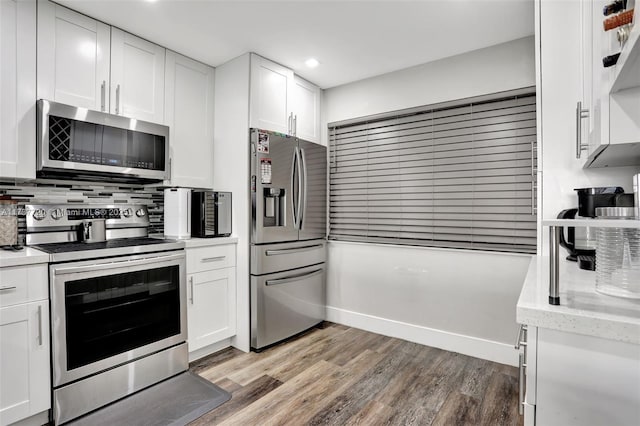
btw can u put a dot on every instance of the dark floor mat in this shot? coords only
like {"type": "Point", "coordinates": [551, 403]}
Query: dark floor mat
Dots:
{"type": "Point", "coordinates": [176, 402]}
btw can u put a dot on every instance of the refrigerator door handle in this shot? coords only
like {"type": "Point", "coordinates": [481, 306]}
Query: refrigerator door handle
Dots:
{"type": "Point", "coordinates": [303, 209]}
{"type": "Point", "coordinates": [301, 191]}
{"type": "Point", "coordinates": [292, 250]}
{"type": "Point", "coordinates": [294, 278]}
{"type": "Point", "coordinates": [294, 161]}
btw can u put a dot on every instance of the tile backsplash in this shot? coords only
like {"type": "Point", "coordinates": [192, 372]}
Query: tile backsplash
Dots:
{"type": "Point", "coordinates": [50, 191]}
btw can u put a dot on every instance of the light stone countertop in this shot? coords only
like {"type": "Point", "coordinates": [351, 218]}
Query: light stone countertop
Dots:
{"type": "Point", "coordinates": [582, 310]}
{"type": "Point", "coordinates": [26, 256]}
{"type": "Point", "coordinates": [203, 242]}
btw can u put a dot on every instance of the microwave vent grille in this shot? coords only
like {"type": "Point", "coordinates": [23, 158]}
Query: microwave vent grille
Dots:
{"type": "Point", "coordinates": [59, 138]}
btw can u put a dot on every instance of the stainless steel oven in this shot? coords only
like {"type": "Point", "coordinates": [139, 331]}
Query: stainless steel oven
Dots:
{"type": "Point", "coordinates": [118, 306]}
{"type": "Point", "coordinates": [105, 313]}
{"type": "Point", "coordinates": [118, 325]}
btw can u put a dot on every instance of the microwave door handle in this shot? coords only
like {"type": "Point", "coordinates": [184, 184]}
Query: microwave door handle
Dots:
{"type": "Point", "coordinates": [294, 159]}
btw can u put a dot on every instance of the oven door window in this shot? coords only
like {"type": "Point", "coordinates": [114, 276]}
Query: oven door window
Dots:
{"type": "Point", "coordinates": [108, 315]}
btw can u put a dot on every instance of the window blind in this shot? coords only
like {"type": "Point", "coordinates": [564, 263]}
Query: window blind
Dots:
{"type": "Point", "coordinates": [459, 177]}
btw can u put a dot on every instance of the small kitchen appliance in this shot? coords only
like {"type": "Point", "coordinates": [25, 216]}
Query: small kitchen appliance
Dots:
{"type": "Point", "coordinates": [210, 214]}
{"type": "Point", "coordinates": [581, 242]}
{"type": "Point", "coordinates": [177, 213]}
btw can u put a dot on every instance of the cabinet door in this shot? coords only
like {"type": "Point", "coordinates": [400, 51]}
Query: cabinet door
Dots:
{"type": "Point", "coordinates": [17, 107]}
{"type": "Point", "coordinates": [189, 89]}
{"type": "Point", "coordinates": [73, 58]}
{"type": "Point", "coordinates": [211, 307]}
{"type": "Point", "coordinates": [306, 110]}
{"type": "Point", "coordinates": [137, 77]}
{"type": "Point", "coordinates": [24, 365]}
{"type": "Point", "coordinates": [271, 95]}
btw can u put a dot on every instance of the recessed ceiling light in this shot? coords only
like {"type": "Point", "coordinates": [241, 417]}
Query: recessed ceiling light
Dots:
{"type": "Point", "coordinates": [312, 62]}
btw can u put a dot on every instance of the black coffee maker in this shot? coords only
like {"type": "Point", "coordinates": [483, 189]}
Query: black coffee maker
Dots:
{"type": "Point", "coordinates": [581, 242]}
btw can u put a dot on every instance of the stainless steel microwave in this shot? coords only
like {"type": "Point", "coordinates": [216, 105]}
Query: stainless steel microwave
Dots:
{"type": "Point", "coordinates": [80, 142]}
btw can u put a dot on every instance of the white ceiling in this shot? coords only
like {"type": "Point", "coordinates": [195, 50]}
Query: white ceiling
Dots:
{"type": "Point", "coordinates": [351, 39]}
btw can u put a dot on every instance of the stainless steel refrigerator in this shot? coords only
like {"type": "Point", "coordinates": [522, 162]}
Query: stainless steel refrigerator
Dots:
{"type": "Point", "coordinates": [288, 230]}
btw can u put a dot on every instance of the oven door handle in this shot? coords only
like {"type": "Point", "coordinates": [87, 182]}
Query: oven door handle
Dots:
{"type": "Point", "coordinates": [117, 264]}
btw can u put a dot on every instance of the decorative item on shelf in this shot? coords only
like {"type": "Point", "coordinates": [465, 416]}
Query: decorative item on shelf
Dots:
{"type": "Point", "coordinates": [611, 60]}
{"type": "Point", "coordinates": [618, 255]}
{"type": "Point", "coordinates": [614, 7]}
{"type": "Point", "coordinates": [623, 18]}
{"type": "Point", "coordinates": [623, 34]}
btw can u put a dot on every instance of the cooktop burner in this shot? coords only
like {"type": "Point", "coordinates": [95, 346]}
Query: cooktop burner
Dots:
{"type": "Point", "coordinates": [110, 244]}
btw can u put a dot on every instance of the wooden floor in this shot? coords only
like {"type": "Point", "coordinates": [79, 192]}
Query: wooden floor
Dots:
{"type": "Point", "coordinates": [336, 375]}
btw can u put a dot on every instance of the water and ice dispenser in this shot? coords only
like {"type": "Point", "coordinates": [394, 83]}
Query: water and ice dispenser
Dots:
{"type": "Point", "coordinates": [274, 207]}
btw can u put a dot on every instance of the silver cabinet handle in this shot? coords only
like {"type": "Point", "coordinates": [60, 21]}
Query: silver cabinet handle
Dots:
{"type": "Point", "coordinates": [103, 88]}
{"type": "Point", "coordinates": [521, 338]}
{"type": "Point", "coordinates": [580, 114]}
{"type": "Point", "coordinates": [294, 278]}
{"type": "Point", "coordinates": [117, 99]}
{"type": "Point", "coordinates": [39, 325]}
{"type": "Point", "coordinates": [289, 119]}
{"type": "Point", "coordinates": [295, 125]}
{"type": "Point", "coordinates": [191, 285]}
{"type": "Point", "coordinates": [8, 288]}
{"type": "Point", "coordinates": [521, 367]}
{"type": "Point", "coordinates": [293, 250]}
{"type": "Point", "coordinates": [212, 259]}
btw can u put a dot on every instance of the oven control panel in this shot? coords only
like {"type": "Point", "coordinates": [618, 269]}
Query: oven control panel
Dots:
{"type": "Point", "coordinates": [70, 215]}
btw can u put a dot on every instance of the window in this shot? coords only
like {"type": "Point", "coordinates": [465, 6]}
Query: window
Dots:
{"type": "Point", "coordinates": [459, 176]}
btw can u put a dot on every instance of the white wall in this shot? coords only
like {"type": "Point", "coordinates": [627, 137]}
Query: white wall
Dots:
{"type": "Point", "coordinates": [458, 300]}
{"type": "Point", "coordinates": [231, 172]}
{"type": "Point", "coordinates": [455, 299]}
{"type": "Point", "coordinates": [498, 68]}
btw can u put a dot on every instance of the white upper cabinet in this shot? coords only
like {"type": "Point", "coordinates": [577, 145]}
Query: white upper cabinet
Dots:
{"type": "Point", "coordinates": [189, 87]}
{"type": "Point", "coordinates": [73, 58]}
{"type": "Point", "coordinates": [271, 96]}
{"type": "Point", "coordinates": [88, 64]}
{"type": "Point", "coordinates": [306, 110]}
{"type": "Point", "coordinates": [17, 89]}
{"type": "Point", "coordinates": [137, 77]}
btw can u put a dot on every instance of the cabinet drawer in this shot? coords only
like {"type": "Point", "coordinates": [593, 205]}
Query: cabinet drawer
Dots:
{"type": "Point", "coordinates": [23, 284]}
{"type": "Point", "coordinates": [208, 258]}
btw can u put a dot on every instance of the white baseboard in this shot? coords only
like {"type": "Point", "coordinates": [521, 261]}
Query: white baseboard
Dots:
{"type": "Point", "coordinates": [208, 350]}
{"type": "Point", "coordinates": [467, 345]}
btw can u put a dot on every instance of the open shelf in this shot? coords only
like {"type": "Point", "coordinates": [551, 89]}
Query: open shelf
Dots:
{"type": "Point", "coordinates": [627, 71]}
{"type": "Point", "coordinates": [596, 223]}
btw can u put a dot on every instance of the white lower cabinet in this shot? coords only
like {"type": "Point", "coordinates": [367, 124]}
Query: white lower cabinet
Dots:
{"type": "Point", "coordinates": [211, 310]}
{"type": "Point", "coordinates": [574, 379]}
{"type": "Point", "coordinates": [25, 384]}
{"type": "Point", "coordinates": [211, 297]}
